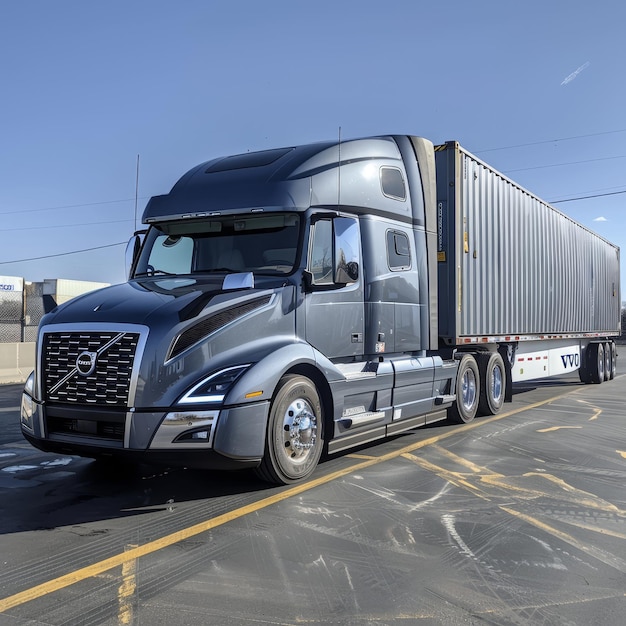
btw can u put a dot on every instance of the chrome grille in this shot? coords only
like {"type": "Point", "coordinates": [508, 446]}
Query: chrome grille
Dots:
{"type": "Point", "coordinates": [109, 384]}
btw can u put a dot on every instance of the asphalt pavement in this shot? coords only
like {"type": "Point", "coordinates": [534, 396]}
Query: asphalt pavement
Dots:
{"type": "Point", "coordinates": [9, 413]}
{"type": "Point", "coordinates": [514, 519]}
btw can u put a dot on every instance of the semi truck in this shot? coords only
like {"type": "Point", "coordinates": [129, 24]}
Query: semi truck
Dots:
{"type": "Point", "coordinates": [298, 302]}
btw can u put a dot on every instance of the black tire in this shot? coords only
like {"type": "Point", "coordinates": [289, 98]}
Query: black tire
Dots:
{"type": "Point", "coordinates": [608, 358]}
{"type": "Point", "coordinates": [613, 370]}
{"type": "Point", "coordinates": [595, 362]}
{"type": "Point", "coordinates": [295, 432]}
{"type": "Point", "coordinates": [465, 406]}
{"type": "Point", "coordinates": [493, 383]}
{"type": "Point", "coordinates": [584, 371]}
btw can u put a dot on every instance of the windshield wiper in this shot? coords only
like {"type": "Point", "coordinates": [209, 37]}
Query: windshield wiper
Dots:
{"type": "Point", "coordinates": [155, 272]}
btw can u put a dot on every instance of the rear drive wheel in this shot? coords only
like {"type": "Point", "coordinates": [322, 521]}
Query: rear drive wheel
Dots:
{"type": "Point", "coordinates": [493, 387]}
{"type": "Point", "coordinates": [467, 391]}
{"type": "Point", "coordinates": [295, 432]}
{"type": "Point", "coordinates": [595, 362]}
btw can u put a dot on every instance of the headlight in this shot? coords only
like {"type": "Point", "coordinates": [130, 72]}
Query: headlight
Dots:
{"type": "Point", "coordinates": [28, 405]}
{"type": "Point", "coordinates": [215, 387]}
{"type": "Point", "coordinates": [29, 385]}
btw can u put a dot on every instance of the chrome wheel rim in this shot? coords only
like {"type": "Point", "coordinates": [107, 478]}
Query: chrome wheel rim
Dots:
{"type": "Point", "coordinates": [468, 390]}
{"type": "Point", "coordinates": [496, 385]}
{"type": "Point", "coordinates": [299, 431]}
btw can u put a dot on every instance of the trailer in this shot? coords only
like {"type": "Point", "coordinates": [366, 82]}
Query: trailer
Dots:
{"type": "Point", "coordinates": [514, 271]}
{"type": "Point", "coordinates": [301, 301]}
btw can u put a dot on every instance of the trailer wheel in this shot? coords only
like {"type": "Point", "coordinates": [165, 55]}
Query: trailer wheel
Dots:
{"type": "Point", "coordinates": [608, 358]}
{"type": "Point", "coordinates": [613, 369]}
{"type": "Point", "coordinates": [493, 387]}
{"type": "Point", "coordinates": [595, 362]}
{"type": "Point", "coordinates": [467, 391]}
{"type": "Point", "coordinates": [584, 371]}
{"type": "Point", "coordinates": [295, 433]}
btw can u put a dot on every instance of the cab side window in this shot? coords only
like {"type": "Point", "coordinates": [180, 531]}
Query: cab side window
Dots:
{"type": "Point", "coordinates": [321, 253]}
{"type": "Point", "coordinates": [334, 252]}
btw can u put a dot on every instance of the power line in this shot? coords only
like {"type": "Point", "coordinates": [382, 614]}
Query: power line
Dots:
{"type": "Point", "coordinates": [52, 256]}
{"type": "Point", "coordinates": [69, 206]}
{"type": "Point", "coordinates": [5, 230]}
{"type": "Point", "coordinates": [597, 195]}
{"type": "Point", "coordinates": [539, 167]}
{"type": "Point", "coordinates": [537, 143]}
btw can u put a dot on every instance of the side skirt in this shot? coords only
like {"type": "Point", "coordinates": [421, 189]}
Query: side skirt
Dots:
{"type": "Point", "coordinates": [380, 432]}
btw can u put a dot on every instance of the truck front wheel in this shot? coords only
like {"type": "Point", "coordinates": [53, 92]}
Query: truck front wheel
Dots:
{"type": "Point", "coordinates": [467, 391]}
{"type": "Point", "coordinates": [295, 432]}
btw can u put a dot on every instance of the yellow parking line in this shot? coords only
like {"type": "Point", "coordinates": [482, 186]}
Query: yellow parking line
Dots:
{"type": "Point", "coordinates": [132, 554]}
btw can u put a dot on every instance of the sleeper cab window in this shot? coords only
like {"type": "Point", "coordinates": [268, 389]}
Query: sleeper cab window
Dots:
{"type": "Point", "coordinates": [398, 251]}
{"type": "Point", "coordinates": [392, 183]}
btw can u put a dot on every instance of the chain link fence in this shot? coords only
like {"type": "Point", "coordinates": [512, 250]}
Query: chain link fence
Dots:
{"type": "Point", "coordinates": [23, 304]}
{"type": "Point", "coordinates": [11, 310]}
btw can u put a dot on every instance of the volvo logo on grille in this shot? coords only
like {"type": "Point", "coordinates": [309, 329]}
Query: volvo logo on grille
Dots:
{"type": "Point", "coordinates": [86, 363]}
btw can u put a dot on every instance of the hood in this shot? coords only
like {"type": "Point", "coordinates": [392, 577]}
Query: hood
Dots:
{"type": "Point", "coordinates": [192, 326]}
{"type": "Point", "coordinates": [146, 301]}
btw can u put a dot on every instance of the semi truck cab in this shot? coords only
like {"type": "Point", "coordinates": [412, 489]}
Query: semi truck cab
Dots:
{"type": "Point", "coordinates": [279, 306]}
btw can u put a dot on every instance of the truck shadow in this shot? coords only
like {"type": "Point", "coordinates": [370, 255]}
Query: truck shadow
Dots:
{"type": "Point", "coordinates": [568, 381]}
{"type": "Point", "coordinates": [48, 492]}
{"type": "Point", "coordinates": [80, 491]}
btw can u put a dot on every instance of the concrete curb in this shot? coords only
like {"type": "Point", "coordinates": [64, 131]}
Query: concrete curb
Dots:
{"type": "Point", "coordinates": [17, 361]}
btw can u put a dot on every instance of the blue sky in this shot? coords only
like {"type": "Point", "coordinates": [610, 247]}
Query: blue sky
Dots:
{"type": "Point", "coordinates": [536, 89]}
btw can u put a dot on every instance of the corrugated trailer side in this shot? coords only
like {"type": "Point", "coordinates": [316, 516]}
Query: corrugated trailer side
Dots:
{"type": "Point", "coordinates": [509, 264]}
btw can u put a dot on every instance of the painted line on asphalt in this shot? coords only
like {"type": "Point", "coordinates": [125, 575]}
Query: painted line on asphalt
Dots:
{"type": "Point", "coordinates": [126, 591]}
{"type": "Point", "coordinates": [131, 555]}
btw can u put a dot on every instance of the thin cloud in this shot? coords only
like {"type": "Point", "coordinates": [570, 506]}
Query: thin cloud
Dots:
{"type": "Point", "coordinates": [600, 219]}
{"type": "Point", "coordinates": [575, 73]}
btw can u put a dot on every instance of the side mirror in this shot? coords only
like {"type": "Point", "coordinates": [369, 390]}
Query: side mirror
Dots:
{"type": "Point", "coordinates": [347, 247]}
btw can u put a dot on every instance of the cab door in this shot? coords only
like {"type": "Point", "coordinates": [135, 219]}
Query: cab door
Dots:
{"type": "Point", "coordinates": [334, 321]}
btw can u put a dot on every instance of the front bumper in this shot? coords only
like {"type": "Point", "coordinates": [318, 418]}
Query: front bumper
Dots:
{"type": "Point", "coordinates": [193, 437]}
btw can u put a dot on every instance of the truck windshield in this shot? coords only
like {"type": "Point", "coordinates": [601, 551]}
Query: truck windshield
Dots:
{"type": "Point", "coordinates": [264, 244]}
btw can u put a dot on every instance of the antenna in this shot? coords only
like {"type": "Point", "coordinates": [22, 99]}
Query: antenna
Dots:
{"type": "Point", "coordinates": [136, 192]}
{"type": "Point", "coordinates": [339, 170]}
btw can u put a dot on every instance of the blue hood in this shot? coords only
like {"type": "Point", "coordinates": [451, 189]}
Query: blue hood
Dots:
{"type": "Point", "coordinates": [144, 301]}
{"type": "Point", "coordinates": [193, 326]}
